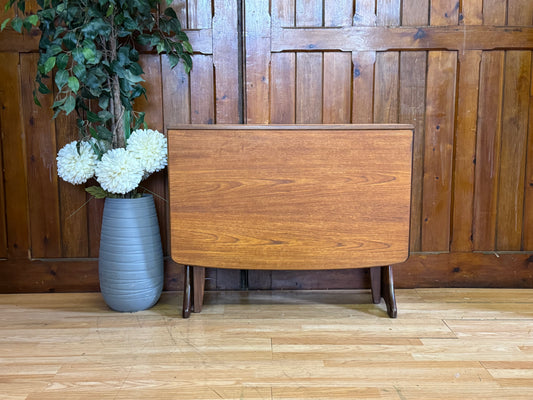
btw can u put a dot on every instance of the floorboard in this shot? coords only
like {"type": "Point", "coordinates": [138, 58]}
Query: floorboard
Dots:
{"type": "Point", "coordinates": [445, 344]}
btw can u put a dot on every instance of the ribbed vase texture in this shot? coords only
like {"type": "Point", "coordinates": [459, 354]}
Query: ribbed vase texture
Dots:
{"type": "Point", "coordinates": [130, 264]}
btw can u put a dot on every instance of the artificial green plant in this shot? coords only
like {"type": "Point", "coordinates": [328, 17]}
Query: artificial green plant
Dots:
{"type": "Point", "coordinates": [91, 49]}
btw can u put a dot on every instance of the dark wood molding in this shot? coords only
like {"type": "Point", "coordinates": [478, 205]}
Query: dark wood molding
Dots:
{"type": "Point", "coordinates": [498, 270]}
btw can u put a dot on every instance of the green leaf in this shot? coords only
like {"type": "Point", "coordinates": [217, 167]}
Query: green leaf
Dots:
{"type": "Point", "coordinates": [43, 88]}
{"type": "Point", "coordinates": [69, 41]}
{"type": "Point", "coordinates": [16, 24]}
{"type": "Point", "coordinates": [130, 76]}
{"type": "Point", "coordinates": [70, 104]}
{"type": "Point", "coordinates": [93, 117]}
{"type": "Point", "coordinates": [97, 192]}
{"type": "Point", "coordinates": [74, 84]}
{"type": "Point", "coordinates": [4, 24]}
{"type": "Point", "coordinates": [89, 54]}
{"type": "Point", "coordinates": [79, 71]}
{"type": "Point", "coordinates": [103, 102]}
{"type": "Point", "coordinates": [104, 133]}
{"type": "Point", "coordinates": [62, 61]}
{"type": "Point", "coordinates": [49, 64]}
{"type": "Point", "coordinates": [188, 47]}
{"type": "Point", "coordinates": [110, 10]}
{"type": "Point", "coordinates": [61, 78]}
{"type": "Point", "coordinates": [33, 19]}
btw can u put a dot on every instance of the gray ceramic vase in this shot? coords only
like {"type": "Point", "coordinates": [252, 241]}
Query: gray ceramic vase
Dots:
{"type": "Point", "coordinates": [130, 263]}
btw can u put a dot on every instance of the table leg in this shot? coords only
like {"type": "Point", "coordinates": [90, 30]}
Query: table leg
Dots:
{"type": "Point", "coordinates": [198, 284]}
{"type": "Point", "coordinates": [387, 288]}
{"type": "Point", "coordinates": [187, 288]}
{"type": "Point", "coordinates": [375, 284]}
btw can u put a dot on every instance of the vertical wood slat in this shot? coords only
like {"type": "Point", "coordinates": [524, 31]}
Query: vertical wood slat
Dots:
{"type": "Point", "coordinates": [519, 12]}
{"type": "Point", "coordinates": [465, 151]}
{"type": "Point", "coordinates": [283, 88]}
{"type": "Point", "coordinates": [386, 87]}
{"type": "Point", "coordinates": [363, 87]}
{"type": "Point", "coordinates": [494, 12]}
{"type": "Point", "coordinates": [309, 88]}
{"type": "Point", "coordinates": [513, 150]}
{"type": "Point", "coordinates": [528, 197]}
{"type": "Point", "coordinates": [388, 12]}
{"type": "Point", "coordinates": [386, 82]}
{"type": "Point", "coordinates": [309, 13]}
{"type": "Point", "coordinates": [257, 32]}
{"type": "Point", "coordinates": [337, 105]}
{"type": "Point", "coordinates": [338, 13]}
{"type": "Point", "coordinates": [472, 12]}
{"type": "Point", "coordinates": [45, 227]}
{"type": "Point", "coordinates": [199, 14]}
{"type": "Point", "coordinates": [202, 90]}
{"type": "Point", "coordinates": [283, 69]}
{"type": "Point", "coordinates": [3, 221]}
{"type": "Point", "coordinates": [180, 7]}
{"type": "Point", "coordinates": [283, 13]}
{"type": "Point", "coordinates": [365, 13]}
{"type": "Point", "coordinates": [72, 198]}
{"type": "Point", "coordinates": [363, 68]}
{"type": "Point", "coordinates": [439, 129]}
{"type": "Point", "coordinates": [14, 158]}
{"type": "Point", "coordinates": [225, 59]}
{"type": "Point", "coordinates": [488, 149]}
{"type": "Point", "coordinates": [176, 92]}
{"type": "Point", "coordinates": [444, 12]}
{"type": "Point", "coordinates": [337, 72]}
{"type": "Point", "coordinates": [412, 111]}
{"type": "Point", "coordinates": [415, 12]}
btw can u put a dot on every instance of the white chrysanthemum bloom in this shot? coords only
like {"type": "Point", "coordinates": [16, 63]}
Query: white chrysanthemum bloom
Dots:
{"type": "Point", "coordinates": [150, 148]}
{"type": "Point", "coordinates": [119, 172]}
{"type": "Point", "coordinates": [76, 166]}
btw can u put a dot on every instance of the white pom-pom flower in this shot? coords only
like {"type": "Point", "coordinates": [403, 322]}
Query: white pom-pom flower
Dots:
{"type": "Point", "coordinates": [150, 148]}
{"type": "Point", "coordinates": [118, 172]}
{"type": "Point", "coordinates": [76, 166]}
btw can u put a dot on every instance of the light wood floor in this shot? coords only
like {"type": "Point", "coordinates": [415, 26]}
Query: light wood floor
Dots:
{"type": "Point", "coordinates": [445, 344]}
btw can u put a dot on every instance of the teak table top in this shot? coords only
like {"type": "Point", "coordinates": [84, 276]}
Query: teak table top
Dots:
{"type": "Point", "coordinates": [290, 197]}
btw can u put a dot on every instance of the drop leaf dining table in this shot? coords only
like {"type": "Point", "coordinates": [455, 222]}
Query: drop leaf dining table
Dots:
{"type": "Point", "coordinates": [284, 197]}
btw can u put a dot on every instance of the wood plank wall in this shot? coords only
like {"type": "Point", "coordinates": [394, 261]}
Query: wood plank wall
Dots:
{"type": "Point", "coordinates": [461, 72]}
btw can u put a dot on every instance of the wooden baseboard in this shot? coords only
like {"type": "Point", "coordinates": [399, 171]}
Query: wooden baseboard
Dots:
{"type": "Point", "coordinates": [490, 270]}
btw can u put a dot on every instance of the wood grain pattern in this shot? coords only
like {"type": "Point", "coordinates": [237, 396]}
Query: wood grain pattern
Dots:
{"type": "Point", "coordinates": [363, 87]}
{"type": "Point", "coordinates": [446, 344]}
{"type": "Point", "coordinates": [309, 88]}
{"type": "Point", "coordinates": [465, 152]}
{"type": "Point", "coordinates": [528, 199]}
{"type": "Point", "coordinates": [283, 198]}
{"type": "Point", "coordinates": [202, 88]}
{"type": "Point", "coordinates": [337, 105]}
{"type": "Point", "coordinates": [379, 38]}
{"type": "Point", "coordinates": [386, 87]}
{"type": "Point", "coordinates": [438, 153]}
{"type": "Point", "coordinates": [412, 109]}
{"type": "Point", "coordinates": [72, 198]}
{"type": "Point", "coordinates": [257, 32]}
{"type": "Point", "coordinates": [177, 94]}
{"type": "Point", "coordinates": [488, 150]}
{"type": "Point", "coordinates": [45, 227]}
{"type": "Point", "coordinates": [283, 88]}
{"type": "Point", "coordinates": [513, 150]}
{"type": "Point", "coordinates": [14, 157]}
{"type": "Point", "coordinates": [225, 59]}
